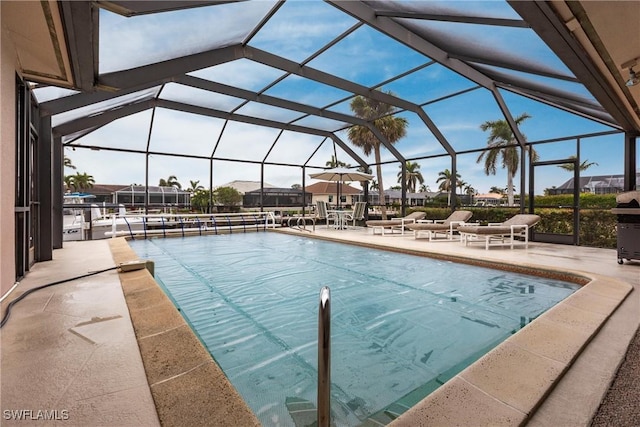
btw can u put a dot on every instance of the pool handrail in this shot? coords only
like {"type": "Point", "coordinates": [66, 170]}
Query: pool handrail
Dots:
{"type": "Point", "coordinates": [324, 358]}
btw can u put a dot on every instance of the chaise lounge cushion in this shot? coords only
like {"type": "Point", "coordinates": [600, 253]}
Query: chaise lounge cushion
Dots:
{"type": "Point", "coordinates": [504, 228]}
{"type": "Point", "coordinates": [456, 217]}
{"type": "Point", "coordinates": [396, 221]}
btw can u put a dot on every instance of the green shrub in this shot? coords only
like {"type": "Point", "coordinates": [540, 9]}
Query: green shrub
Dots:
{"type": "Point", "coordinates": [587, 200]}
{"type": "Point", "coordinates": [598, 228]}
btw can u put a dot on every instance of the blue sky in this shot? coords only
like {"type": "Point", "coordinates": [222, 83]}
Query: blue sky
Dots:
{"type": "Point", "coordinates": [296, 31]}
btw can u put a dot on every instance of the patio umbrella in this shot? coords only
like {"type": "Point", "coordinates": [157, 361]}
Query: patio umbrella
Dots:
{"type": "Point", "coordinates": [340, 175]}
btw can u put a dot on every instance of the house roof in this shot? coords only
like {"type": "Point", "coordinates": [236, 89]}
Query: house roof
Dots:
{"type": "Point", "coordinates": [276, 191]}
{"type": "Point", "coordinates": [496, 196]}
{"type": "Point", "coordinates": [326, 187]}
{"type": "Point", "coordinates": [246, 186]}
{"type": "Point", "coordinates": [152, 189]}
{"type": "Point", "coordinates": [105, 188]}
{"type": "Point", "coordinates": [612, 181]}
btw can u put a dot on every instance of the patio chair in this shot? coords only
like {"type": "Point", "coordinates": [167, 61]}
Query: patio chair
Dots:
{"type": "Point", "coordinates": [513, 231]}
{"type": "Point", "coordinates": [444, 226]}
{"type": "Point", "coordinates": [321, 213]}
{"type": "Point", "coordinates": [358, 213]}
{"type": "Point", "coordinates": [394, 224]}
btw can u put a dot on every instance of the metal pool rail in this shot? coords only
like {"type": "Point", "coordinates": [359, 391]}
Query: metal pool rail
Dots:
{"type": "Point", "coordinates": [188, 224]}
{"type": "Point", "coordinates": [324, 358]}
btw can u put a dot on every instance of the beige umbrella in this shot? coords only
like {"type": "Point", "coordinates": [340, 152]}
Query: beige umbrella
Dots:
{"type": "Point", "coordinates": [340, 175]}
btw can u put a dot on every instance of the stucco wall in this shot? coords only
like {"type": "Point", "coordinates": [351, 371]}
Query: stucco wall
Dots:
{"type": "Point", "coordinates": [7, 159]}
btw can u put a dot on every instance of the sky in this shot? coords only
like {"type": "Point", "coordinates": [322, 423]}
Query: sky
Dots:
{"type": "Point", "coordinates": [296, 31]}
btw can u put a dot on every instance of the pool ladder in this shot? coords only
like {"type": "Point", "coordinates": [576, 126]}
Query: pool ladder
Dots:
{"type": "Point", "coordinates": [324, 358]}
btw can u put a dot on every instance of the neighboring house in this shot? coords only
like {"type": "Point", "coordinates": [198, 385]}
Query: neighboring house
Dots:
{"type": "Point", "coordinates": [104, 193]}
{"type": "Point", "coordinates": [601, 184]}
{"type": "Point", "coordinates": [133, 196]}
{"type": "Point", "coordinates": [488, 199]}
{"type": "Point", "coordinates": [328, 192]}
{"type": "Point", "coordinates": [395, 197]}
{"type": "Point", "coordinates": [275, 197]}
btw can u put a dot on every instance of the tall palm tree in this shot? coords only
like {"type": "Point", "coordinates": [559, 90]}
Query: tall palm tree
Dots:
{"type": "Point", "coordinates": [392, 128]}
{"type": "Point", "coordinates": [582, 167]}
{"type": "Point", "coordinates": [413, 176]}
{"type": "Point", "coordinates": [69, 182]}
{"type": "Point", "coordinates": [67, 163]}
{"type": "Point", "coordinates": [82, 181]}
{"type": "Point", "coordinates": [195, 186]}
{"type": "Point", "coordinates": [172, 181]}
{"type": "Point", "coordinates": [469, 191]}
{"type": "Point", "coordinates": [367, 170]}
{"type": "Point", "coordinates": [461, 183]}
{"type": "Point", "coordinates": [444, 178]}
{"type": "Point", "coordinates": [502, 143]}
{"type": "Point", "coordinates": [335, 163]}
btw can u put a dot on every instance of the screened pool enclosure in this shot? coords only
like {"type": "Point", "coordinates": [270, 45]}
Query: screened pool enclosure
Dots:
{"type": "Point", "coordinates": [261, 90]}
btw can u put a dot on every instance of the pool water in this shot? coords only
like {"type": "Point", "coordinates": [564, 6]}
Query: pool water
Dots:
{"type": "Point", "coordinates": [401, 324]}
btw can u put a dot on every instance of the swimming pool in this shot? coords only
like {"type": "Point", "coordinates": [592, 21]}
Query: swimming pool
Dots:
{"type": "Point", "coordinates": [402, 325]}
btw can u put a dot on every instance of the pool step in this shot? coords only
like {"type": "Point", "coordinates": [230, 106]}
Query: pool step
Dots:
{"type": "Point", "coordinates": [397, 408]}
{"type": "Point", "coordinates": [302, 411]}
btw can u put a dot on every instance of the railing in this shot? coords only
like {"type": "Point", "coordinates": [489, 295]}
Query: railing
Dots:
{"type": "Point", "coordinates": [187, 224]}
{"type": "Point", "coordinates": [324, 358]}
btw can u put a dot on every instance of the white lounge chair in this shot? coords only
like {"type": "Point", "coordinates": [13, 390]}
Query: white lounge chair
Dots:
{"type": "Point", "coordinates": [513, 231]}
{"type": "Point", "coordinates": [394, 224]}
{"type": "Point", "coordinates": [444, 226]}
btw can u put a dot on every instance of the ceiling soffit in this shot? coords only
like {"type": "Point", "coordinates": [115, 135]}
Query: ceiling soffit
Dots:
{"type": "Point", "coordinates": [37, 32]}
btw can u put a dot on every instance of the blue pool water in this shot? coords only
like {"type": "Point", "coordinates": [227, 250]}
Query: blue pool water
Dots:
{"type": "Point", "coordinates": [401, 325]}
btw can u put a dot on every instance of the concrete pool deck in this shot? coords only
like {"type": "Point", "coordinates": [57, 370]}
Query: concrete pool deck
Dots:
{"type": "Point", "coordinates": [72, 347]}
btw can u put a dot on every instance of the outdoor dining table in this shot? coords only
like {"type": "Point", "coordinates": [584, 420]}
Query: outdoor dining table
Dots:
{"type": "Point", "coordinates": [340, 214]}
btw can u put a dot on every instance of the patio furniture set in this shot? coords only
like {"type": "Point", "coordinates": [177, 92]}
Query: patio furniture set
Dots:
{"type": "Point", "coordinates": [513, 231]}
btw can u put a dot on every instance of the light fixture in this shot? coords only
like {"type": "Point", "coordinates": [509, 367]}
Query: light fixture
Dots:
{"type": "Point", "coordinates": [633, 78]}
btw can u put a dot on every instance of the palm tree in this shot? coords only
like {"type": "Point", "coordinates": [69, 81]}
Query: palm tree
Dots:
{"type": "Point", "coordinates": [583, 166]}
{"type": "Point", "coordinates": [194, 186]}
{"type": "Point", "coordinates": [503, 143]}
{"type": "Point", "coordinates": [413, 176]}
{"type": "Point", "coordinates": [83, 181]}
{"type": "Point", "coordinates": [70, 182]}
{"type": "Point", "coordinates": [172, 181]}
{"type": "Point", "coordinates": [444, 178]}
{"type": "Point", "coordinates": [335, 163]}
{"type": "Point", "coordinates": [391, 128]}
{"type": "Point", "coordinates": [460, 183]}
{"type": "Point", "coordinates": [497, 190]}
{"type": "Point", "coordinates": [367, 170]}
{"type": "Point", "coordinates": [67, 163]}
{"type": "Point", "coordinates": [469, 191]}
{"type": "Point", "coordinates": [424, 189]}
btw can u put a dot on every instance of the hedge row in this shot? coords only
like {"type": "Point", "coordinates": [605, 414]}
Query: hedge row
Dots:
{"type": "Point", "coordinates": [587, 200]}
